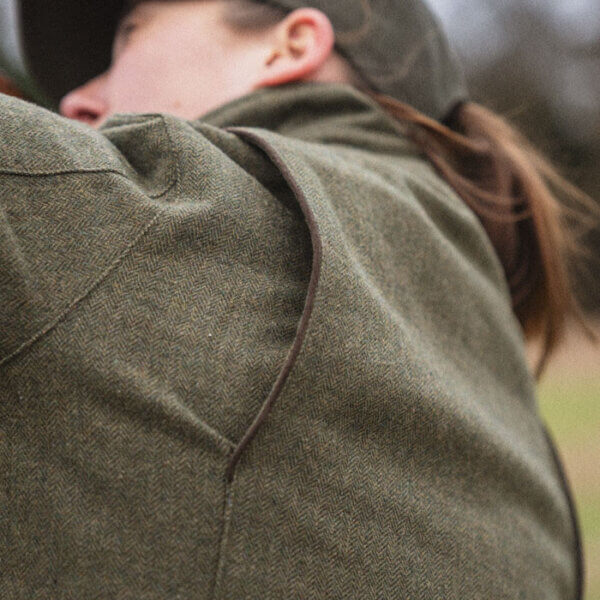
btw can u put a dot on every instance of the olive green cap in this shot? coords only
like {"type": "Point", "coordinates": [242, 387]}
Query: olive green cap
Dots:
{"type": "Point", "coordinates": [397, 46]}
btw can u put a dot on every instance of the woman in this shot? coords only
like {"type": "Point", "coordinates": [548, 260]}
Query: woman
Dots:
{"type": "Point", "coordinates": [264, 338]}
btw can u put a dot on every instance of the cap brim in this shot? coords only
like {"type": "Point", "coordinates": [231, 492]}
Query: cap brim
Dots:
{"type": "Point", "coordinates": [59, 44]}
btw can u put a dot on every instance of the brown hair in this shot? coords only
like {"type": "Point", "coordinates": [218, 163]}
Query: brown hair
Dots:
{"type": "Point", "coordinates": [512, 188]}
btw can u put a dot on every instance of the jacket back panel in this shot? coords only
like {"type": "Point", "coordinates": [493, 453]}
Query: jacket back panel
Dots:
{"type": "Point", "coordinates": [254, 364]}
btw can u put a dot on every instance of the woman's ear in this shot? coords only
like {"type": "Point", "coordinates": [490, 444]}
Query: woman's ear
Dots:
{"type": "Point", "coordinates": [301, 44]}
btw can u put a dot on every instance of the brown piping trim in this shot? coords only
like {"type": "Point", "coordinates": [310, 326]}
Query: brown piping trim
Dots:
{"type": "Point", "coordinates": [317, 246]}
{"type": "Point", "coordinates": [580, 571]}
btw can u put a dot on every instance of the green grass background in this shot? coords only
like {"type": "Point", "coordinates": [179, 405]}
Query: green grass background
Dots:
{"type": "Point", "coordinates": [570, 405]}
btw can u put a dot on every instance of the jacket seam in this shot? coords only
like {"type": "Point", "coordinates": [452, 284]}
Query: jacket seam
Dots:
{"type": "Point", "coordinates": [228, 498]}
{"type": "Point", "coordinates": [578, 546]}
{"type": "Point", "coordinates": [73, 304]}
{"type": "Point", "coordinates": [174, 174]}
{"type": "Point", "coordinates": [316, 241]}
{"type": "Point", "coordinates": [262, 144]}
{"type": "Point", "coordinates": [174, 179]}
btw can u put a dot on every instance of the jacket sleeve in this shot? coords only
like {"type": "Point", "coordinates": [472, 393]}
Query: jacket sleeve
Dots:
{"type": "Point", "coordinates": [76, 202]}
{"type": "Point", "coordinates": [61, 229]}
{"type": "Point", "coordinates": [151, 285]}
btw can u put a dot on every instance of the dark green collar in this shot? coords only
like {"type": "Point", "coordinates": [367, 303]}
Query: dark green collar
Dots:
{"type": "Point", "coordinates": [316, 112]}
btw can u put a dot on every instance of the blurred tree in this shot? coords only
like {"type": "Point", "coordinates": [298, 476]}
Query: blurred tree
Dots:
{"type": "Point", "coordinates": [537, 62]}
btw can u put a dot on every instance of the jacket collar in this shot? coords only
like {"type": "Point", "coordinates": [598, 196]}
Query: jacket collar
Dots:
{"type": "Point", "coordinates": [316, 112]}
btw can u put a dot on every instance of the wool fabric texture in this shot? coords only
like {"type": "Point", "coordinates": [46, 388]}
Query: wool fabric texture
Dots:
{"type": "Point", "coordinates": [264, 354]}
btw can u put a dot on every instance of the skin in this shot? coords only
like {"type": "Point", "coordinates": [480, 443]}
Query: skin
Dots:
{"type": "Point", "coordinates": [181, 58]}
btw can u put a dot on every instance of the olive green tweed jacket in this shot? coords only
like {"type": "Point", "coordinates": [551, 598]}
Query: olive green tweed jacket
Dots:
{"type": "Point", "coordinates": [267, 354]}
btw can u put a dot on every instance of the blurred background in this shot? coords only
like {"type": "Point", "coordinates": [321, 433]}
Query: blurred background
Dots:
{"type": "Point", "coordinates": [537, 62]}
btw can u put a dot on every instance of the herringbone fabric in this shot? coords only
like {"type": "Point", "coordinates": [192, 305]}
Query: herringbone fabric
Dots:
{"type": "Point", "coordinates": [267, 354]}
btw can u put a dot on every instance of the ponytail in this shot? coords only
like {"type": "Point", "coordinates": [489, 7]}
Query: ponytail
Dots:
{"type": "Point", "coordinates": [506, 182]}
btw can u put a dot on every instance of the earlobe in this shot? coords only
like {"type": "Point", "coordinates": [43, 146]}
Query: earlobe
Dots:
{"type": "Point", "coordinates": [304, 42]}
